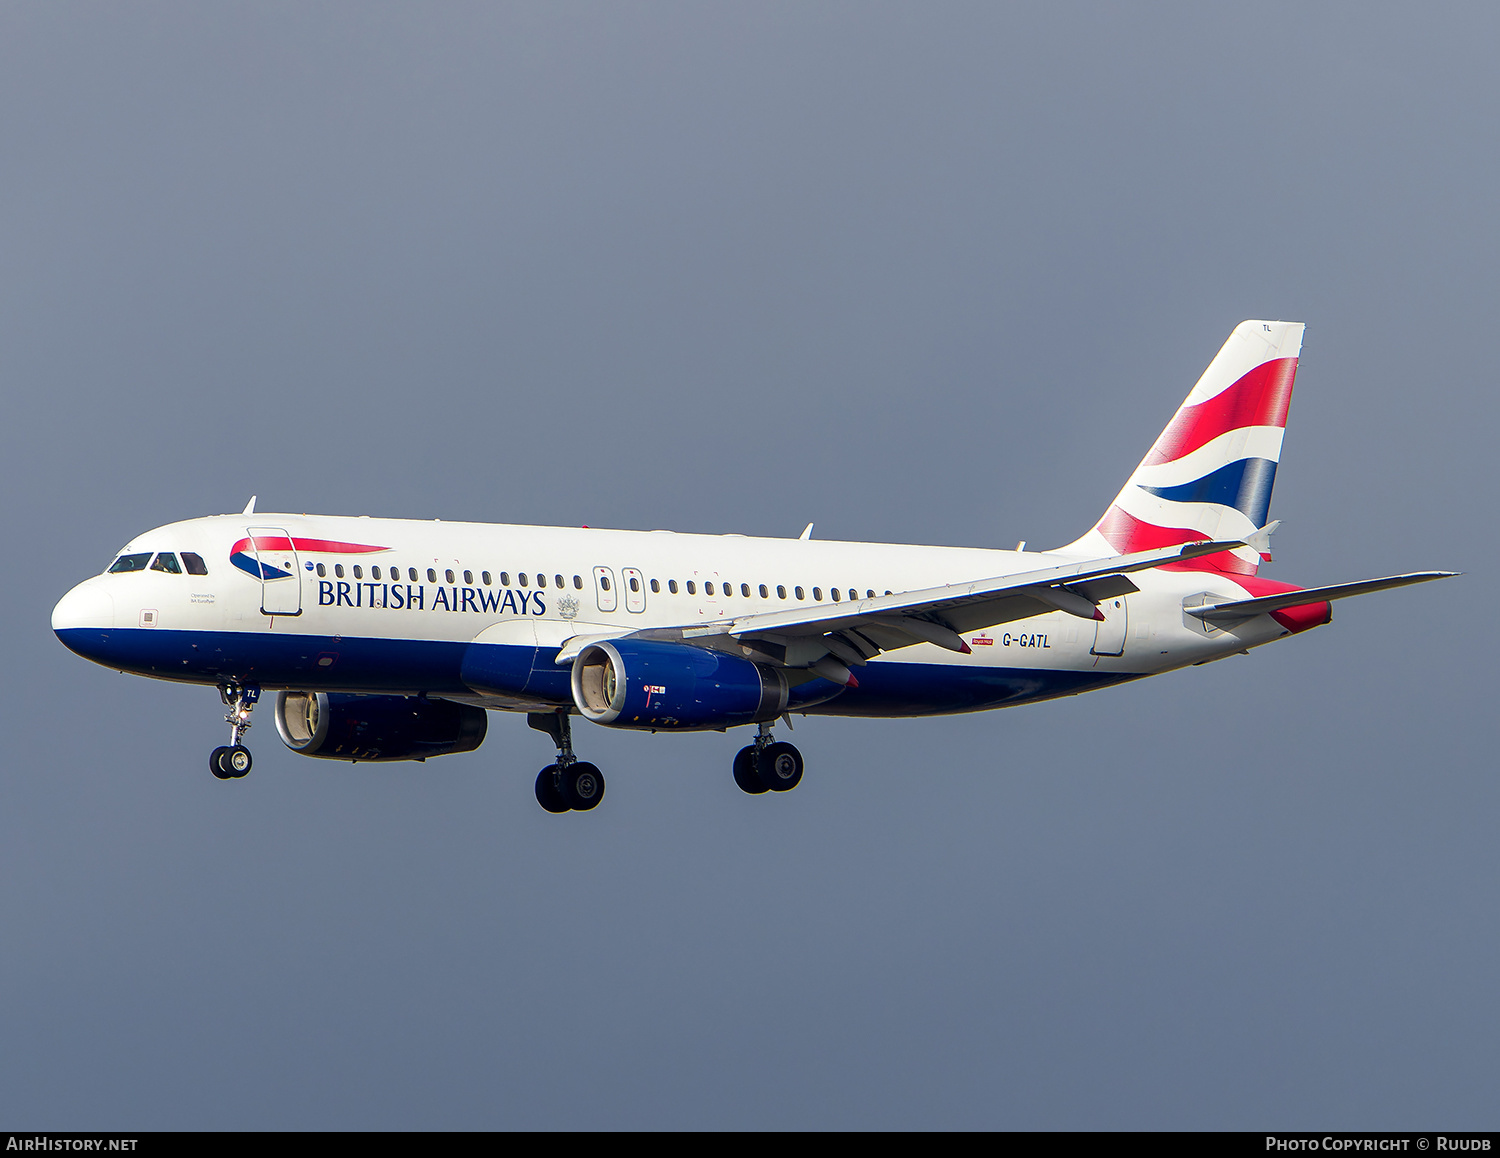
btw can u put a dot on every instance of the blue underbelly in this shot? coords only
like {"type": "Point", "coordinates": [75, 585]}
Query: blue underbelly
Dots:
{"type": "Point", "coordinates": [328, 663]}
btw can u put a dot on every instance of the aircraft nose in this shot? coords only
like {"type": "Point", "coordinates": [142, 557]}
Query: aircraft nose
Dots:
{"type": "Point", "coordinates": [85, 608]}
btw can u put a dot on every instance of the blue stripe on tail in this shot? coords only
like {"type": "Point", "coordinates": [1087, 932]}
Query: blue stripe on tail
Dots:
{"type": "Point", "coordinates": [1244, 485]}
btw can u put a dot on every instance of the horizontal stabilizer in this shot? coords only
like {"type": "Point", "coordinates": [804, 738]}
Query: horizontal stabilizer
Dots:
{"type": "Point", "coordinates": [1240, 609]}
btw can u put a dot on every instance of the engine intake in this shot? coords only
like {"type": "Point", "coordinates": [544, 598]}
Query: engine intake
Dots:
{"type": "Point", "coordinates": [340, 726]}
{"type": "Point", "coordinates": [642, 684]}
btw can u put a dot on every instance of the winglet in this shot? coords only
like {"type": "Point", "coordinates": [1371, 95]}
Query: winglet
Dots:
{"type": "Point", "coordinates": [249, 507]}
{"type": "Point", "coordinates": [806, 532]}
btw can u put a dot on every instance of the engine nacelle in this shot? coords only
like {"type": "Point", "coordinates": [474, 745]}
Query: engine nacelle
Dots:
{"type": "Point", "coordinates": [632, 683]}
{"type": "Point", "coordinates": [339, 726]}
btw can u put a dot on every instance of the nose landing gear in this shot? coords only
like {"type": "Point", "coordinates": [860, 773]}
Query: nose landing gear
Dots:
{"type": "Point", "coordinates": [767, 765]}
{"type": "Point", "coordinates": [570, 784]}
{"type": "Point", "coordinates": [232, 762]}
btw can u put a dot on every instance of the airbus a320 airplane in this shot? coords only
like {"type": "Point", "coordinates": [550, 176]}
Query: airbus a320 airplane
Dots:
{"type": "Point", "coordinates": [388, 639]}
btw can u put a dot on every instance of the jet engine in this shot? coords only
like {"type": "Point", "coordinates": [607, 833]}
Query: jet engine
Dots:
{"type": "Point", "coordinates": [643, 684]}
{"type": "Point", "coordinates": [339, 726]}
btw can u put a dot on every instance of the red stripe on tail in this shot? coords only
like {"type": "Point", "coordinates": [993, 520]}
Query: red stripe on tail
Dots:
{"type": "Point", "coordinates": [1260, 398]}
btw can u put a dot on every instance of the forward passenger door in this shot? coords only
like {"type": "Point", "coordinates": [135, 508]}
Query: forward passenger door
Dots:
{"type": "Point", "coordinates": [280, 572]}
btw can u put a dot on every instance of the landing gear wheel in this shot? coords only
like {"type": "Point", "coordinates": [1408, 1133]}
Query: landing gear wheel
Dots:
{"type": "Point", "coordinates": [780, 767]}
{"type": "Point", "coordinates": [217, 766]}
{"type": "Point", "coordinates": [582, 786]}
{"type": "Point", "coordinates": [745, 774]}
{"type": "Point", "coordinates": [547, 794]}
{"type": "Point", "coordinates": [237, 761]}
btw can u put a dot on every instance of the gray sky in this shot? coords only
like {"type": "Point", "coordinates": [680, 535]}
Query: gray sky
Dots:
{"type": "Point", "coordinates": [922, 273]}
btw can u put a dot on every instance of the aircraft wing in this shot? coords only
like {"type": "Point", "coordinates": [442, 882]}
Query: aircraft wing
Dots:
{"type": "Point", "coordinates": [1241, 609]}
{"type": "Point", "coordinates": [854, 631]}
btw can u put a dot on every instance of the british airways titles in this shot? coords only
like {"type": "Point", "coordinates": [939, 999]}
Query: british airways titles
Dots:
{"type": "Point", "coordinates": [413, 597]}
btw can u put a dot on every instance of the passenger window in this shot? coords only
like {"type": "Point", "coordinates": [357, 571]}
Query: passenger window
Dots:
{"type": "Point", "coordinates": [708, 588]}
{"type": "Point", "coordinates": [853, 594]}
{"type": "Point", "coordinates": [817, 593]}
{"type": "Point", "coordinates": [485, 575]}
{"type": "Point", "coordinates": [692, 587]}
{"type": "Point", "coordinates": [524, 582]}
{"type": "Point", "coordinates": [833, 593]}
{"type": "Point", "coordinates": [167, 562]}
{"type": "Point", "coordinates": [448, 574]}
{"type": "Point", "coordinates": [431, 574]}
{"type": "Point", "coordinates": [541, 580]}
{"type": "Point", "coordinates": [195, 564]}
{"type": "Point", "coordinates": [603, 581]}
{"type": "Point", "coordinates": [359, 572]}
{"type": "Point", "coordinates": [577, 582]}
{"type": "Point", "coordinates": [468, 578]}
{"type": "Point", "coordinates": [797, 591]}
{"type": "Point", "coordinates": [374, 572]}
{"type": "Point", "coordinates": [321, 571]}
{"type": "Point", "coordinates": [635, 584]}
{"type": "Point", "coordinates": [338, 569]}
{"type": "Point", "coordinates": [745, 590]}
{"type": "Point", "coordinates": [557, 581]}
{"type": "Point", "coordinates": [869, 595]}
{"type": "Point", "coordinates": [764, 592]}
{"type": "Point", "coordinates": [504, 578]}
{"type": "Point", "coordinates": [655, 587]}
{"type": "Point", "coordinates": [780, 591]}
{"type": "Point", "coordinates": [672, 586]}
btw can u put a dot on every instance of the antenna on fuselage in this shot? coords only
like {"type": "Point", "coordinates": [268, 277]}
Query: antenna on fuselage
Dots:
{"type": "Point", "coordinates": [806, 532]}
{"type": "Point", "coordinates": [249, 507]}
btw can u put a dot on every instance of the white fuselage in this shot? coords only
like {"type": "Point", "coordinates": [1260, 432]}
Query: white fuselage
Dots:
{"type": "Point", "coordinates": [444, 583]}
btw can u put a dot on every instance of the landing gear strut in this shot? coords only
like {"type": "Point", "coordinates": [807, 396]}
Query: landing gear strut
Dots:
{"type": "Point", "coordinates": [570, 784]}
{"type": "Point", "coordinates": [234, 761]}
{"type": "Point", "coordinates": [767, 765]}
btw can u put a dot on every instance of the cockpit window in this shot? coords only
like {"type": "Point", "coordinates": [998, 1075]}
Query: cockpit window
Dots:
{"type": "Point", "coordinates": [130, 563]}
{"type": "Point", "coordinates": [194, 563]}
{"type": "Point", "coordinates": [167, 562]}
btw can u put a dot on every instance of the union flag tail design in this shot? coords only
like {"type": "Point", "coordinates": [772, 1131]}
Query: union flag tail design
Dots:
{"type": "Point", "coordinates": [1209, 473]}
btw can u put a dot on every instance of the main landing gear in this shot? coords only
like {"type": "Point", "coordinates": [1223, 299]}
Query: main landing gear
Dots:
{"type": "Point", "coordinates": [768, 765]}
{"type": "Point", "coordinates": [570, 784]}
{"type": "Point", "coordinates": [232, 762]}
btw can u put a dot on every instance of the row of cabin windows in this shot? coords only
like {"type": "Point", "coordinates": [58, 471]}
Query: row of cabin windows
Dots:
{"type": "Point", "coordinates": [709, 588]}
{"type": "Point", "coordinates": [524, 580]}
{"type": "Point", "coordinates": [166, 561]}
{"type": "Point", "coordinates": [449, 576]}
{"type": "Point", "coordinates": [193, 563]}
{"type": "Point", "coordinates": [727, 589]}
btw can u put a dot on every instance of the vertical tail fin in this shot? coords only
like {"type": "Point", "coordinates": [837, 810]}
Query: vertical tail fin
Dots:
{"type": "Point", "coordinates": [1209, 473]}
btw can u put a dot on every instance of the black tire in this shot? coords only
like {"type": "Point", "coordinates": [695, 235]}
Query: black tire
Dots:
{"type": "Point", "coordinates": [745, 774]}
{"type": "Point", "coordinates": [582, 786]}
{"type": "Point", "coordinates": [217, 766]}
{"type": "Point", "coordinates": [780, 767]}
{"type": "Point", "coordinates": [237, 760]}
{"type": "Point", "coordinates": [547, 794]}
